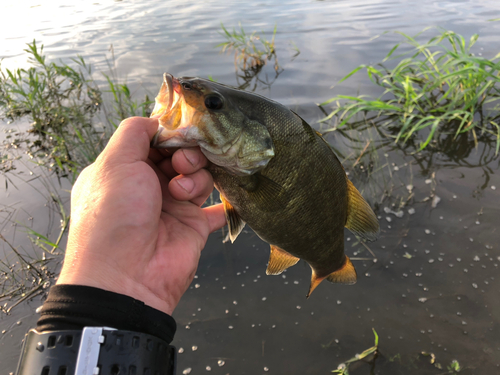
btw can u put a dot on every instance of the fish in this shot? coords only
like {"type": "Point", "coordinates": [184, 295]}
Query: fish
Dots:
{"type": "Point", "coordinates": [273, 171]}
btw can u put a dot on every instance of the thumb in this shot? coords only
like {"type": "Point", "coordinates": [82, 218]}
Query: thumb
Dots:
{"type": "Point", "coordinates": [130, 142]}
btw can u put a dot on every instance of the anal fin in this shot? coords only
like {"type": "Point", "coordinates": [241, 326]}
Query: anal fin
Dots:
{"type": "Point", "coordinates": [361, 219]}
{"type": "Point", "coordinates": [279, 260]}
{"type": "Point", "coordinates": [344, 275]}
{"type": "Point", "coordinates": [234, 222]}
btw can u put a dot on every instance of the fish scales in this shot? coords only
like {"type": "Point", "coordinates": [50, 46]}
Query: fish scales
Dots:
{"type": "Point", "coordinates": [307, 219]}
{"type": "Point", "coordinates": [273, 171]}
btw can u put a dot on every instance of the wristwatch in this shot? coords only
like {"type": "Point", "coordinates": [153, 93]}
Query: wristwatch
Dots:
{"type": "Point", "coordinates": [95, 351]}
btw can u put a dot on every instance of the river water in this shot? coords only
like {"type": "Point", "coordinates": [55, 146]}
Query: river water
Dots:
{"type": "Point", "coordinates": [435, 285]}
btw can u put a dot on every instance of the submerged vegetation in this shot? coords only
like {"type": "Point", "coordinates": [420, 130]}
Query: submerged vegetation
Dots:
{"type": "Point", "coordinates": [438, 91]}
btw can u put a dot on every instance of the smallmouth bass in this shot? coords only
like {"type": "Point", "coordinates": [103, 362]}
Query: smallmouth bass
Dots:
{"type": "Point", "coordinates": [273, 172]}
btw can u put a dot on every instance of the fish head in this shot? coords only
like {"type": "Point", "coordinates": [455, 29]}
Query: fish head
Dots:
{"type": "Point", "coordinates": [217, 118]}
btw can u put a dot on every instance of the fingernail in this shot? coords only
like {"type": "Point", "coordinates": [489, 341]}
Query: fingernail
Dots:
{"type": "Point", "coordinates": [192, 156]}
{"type": "Point", "coordinates": [186, 183]}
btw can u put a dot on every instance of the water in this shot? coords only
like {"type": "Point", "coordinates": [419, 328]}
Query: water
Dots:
{"type": "Point", "coordinates": [434, 287]}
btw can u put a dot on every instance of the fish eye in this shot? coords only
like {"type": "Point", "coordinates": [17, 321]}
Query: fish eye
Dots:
{"type": "Point", "coordinates": [214, 102]}
{"type": "Point", "coordinates": [186, 86]}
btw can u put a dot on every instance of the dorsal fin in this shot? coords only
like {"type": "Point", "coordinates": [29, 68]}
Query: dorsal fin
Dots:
{"type": "Point", "coordinates": [361, 219]}
{"type": "Point", "coordinates": [307, 128]}
{"type": "Point", "coordinates": [279, 260]}
{"type": "Point", "coordinates": [234, 223]}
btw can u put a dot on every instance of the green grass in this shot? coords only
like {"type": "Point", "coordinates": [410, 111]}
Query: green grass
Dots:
{"type": "Point", "coordinates": [438, 88]}
{"type": "Point", "coordinates": [372, 352]}
{"type": "Point", "coordinates": [23, 277]}
{"type": "Point", "coordinates": [63, 104]}
{"type": "Point", "coordinates": [251, 54]}
{"type": "Point", "coordinates": [250, 50]}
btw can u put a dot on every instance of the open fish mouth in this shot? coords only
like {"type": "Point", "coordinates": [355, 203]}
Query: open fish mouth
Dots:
{"type": "Point", "coordinates": [168, 108]}
{"type": "Point", "coordinates": [167, 97]}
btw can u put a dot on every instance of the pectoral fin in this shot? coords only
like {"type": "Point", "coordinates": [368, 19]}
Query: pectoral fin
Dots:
{"type": "Point", "coordinates": [267, 189]}
{"type": "Point", "coordinates": [361, 219]}
{"type": "Point", "coordinates": [279, 260]}
{"type": "Point", "coordinates": [234, 222]}
{"type": "Point", "coordinates": [269, 194]}
{"type": "Point", "coordinates": [345, 275]}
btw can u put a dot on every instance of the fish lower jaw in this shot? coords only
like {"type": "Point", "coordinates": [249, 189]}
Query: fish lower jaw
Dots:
{"type": "Point", "coordinates": [232, 164]}
{"type": "Point", "coordinates": [174, 141]}
{"type": "Point", "coordinates": [180, 137]}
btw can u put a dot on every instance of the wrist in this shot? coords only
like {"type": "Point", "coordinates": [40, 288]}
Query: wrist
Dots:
{"type": "Point", "coordinates": [117, 284]}
{"type": "Point", "coordinates": [76, 306]}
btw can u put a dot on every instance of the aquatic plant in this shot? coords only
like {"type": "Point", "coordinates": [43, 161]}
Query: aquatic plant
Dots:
{"type": "Point", "coordinates": [23, 276]}
{"type": "Point", "coordinates": [251, 54]}
{"type": "Point", "coordinates": [343, 368]}
{"type": "Point", "coordinates": [61, 102]}
{"type": "Point", "coordinates": [437, 88]}
{"type": "Point", "coordinates": [250, 50]}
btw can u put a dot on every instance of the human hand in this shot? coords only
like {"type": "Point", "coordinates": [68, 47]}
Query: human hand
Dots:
{"type": "Point", "coordinates": [136, 223]}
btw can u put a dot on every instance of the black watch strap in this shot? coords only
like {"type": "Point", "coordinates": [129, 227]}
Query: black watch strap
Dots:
{"type": "Point", "coordinates": [95, 351]}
